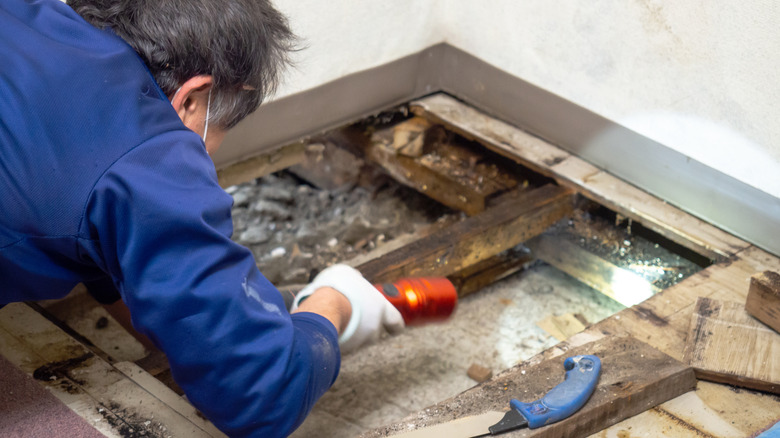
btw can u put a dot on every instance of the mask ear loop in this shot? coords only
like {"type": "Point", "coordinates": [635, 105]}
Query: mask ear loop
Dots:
{"type": "Point", "coordinates": [208, 108]}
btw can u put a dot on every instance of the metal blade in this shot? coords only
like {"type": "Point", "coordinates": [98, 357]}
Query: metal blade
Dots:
{"type": "Point", "coordinates": [466, 427]}
{"type": "Point", "coordinates": [511, 421]}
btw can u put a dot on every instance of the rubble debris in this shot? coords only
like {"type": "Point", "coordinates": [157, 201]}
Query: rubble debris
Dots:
{"type": "Point", "coordinates": [479, 373]}
{"type": "Point", "coordinates": [295, 229]}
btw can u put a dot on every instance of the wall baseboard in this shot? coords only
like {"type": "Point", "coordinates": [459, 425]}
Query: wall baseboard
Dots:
{"type": "Point", "coordinates": [711, 195]}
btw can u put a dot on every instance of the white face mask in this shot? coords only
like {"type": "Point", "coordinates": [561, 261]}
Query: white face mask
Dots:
{"type": "Point", "coordinates": [208, 110]}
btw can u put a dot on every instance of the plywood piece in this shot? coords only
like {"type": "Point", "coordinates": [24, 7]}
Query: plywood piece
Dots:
{"type": "Point", "coordinates": [28, 410]}
{"type": "Point", "coordinates": [574, 172]}
{"type": "Point", "coordinates": [635, 377]}
{"type": "Point", "coordinates": [763, 300]}
{"type": "Point", "coordinates": [452, 249]}
{"type": "Point", "coordinates": [725, 344]}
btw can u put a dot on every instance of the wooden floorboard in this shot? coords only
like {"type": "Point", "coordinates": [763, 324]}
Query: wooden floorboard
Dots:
{"type": "Point", "coordinates": [99, 392]}
{"type": "Point", "coordinates": [574, 172]}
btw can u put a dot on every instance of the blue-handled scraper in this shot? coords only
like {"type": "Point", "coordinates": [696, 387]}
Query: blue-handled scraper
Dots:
{"type": "Point", "coordinates": [582, 375]}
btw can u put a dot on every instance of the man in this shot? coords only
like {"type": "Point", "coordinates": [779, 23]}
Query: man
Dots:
{"type": "Point", "coordinates": [109, 110]}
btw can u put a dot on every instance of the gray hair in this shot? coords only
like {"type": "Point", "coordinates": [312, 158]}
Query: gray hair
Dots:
{"type": "Point", "coordinates": [243, 44]}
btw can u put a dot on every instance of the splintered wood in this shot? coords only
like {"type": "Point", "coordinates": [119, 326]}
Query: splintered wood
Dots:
{"type": "Point", "coordinates": [726, 345]}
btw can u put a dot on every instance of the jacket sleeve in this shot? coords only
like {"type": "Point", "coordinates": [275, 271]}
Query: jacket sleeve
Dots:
{"type": "Point", "coordinates": [160, 226]}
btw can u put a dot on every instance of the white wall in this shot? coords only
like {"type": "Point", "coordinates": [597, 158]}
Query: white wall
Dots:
{"type": "Point", "coordinates": [347, 36]}
{"type": "Point", "coordinates": [699, 76]}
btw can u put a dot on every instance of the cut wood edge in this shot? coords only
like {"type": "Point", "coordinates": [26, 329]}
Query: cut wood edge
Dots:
{"type": "Point", "coordinates": [763, 300]}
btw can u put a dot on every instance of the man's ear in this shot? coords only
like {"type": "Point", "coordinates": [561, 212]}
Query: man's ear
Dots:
{"type": "Point", "coordinates": [191, 101]}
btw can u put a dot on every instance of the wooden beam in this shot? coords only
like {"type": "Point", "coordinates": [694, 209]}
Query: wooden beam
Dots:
{"type": "Point", "coordinates": [478, 276]}
{"type": "Point", "coordinates": [634, 377]}
{"type": "Point", "coordinates": [516, 219]}
{"type": "Point", "coordinates": [425, 158]}
{"type": "Point", "coordinates": [261, 165]}
{"type": "Point", "coordinates": [763, 300]}
{"type": "Point", "coordinates": [726, 345]}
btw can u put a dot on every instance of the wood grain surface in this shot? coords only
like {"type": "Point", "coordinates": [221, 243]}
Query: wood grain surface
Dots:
{"type": "Point", "coordinates": [763, 300]}
{"type": "Point", "coordinates": [725, 344]}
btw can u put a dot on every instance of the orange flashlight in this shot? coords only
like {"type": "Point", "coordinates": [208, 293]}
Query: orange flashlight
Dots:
{"type": "Point", "coordinates": [421, 300]}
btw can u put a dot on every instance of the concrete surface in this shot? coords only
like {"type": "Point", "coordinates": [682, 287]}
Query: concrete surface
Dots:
{"type": "Point", "coordinates": [494, 328]}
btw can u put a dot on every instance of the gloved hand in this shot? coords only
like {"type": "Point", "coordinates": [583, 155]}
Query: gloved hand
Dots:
{"type": "Point", "coordinates": [371, 312]}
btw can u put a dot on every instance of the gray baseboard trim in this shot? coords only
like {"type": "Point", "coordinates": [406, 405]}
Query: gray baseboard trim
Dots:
{"type": "Point", "coordinates": [724, 201]}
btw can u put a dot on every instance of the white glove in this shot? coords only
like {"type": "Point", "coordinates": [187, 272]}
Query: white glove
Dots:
{"type": "Point", "coordinates": [371, 312]}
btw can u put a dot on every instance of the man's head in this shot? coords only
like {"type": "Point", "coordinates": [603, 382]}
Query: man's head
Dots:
{"type": "Point", "coordinates": [223, 56]}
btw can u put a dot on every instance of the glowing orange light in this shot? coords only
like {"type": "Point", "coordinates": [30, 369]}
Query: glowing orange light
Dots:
{"type": "Point", "coordinates": [412, 299]}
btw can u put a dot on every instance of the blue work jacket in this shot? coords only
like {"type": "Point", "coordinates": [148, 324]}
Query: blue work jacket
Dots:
{"type": "Point", "coordinates": [99, 179]}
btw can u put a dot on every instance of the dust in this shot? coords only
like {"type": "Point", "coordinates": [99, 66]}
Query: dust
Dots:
{"type": "Point", "coordinates": [128, 424]}
{"type": "Point", "coordinates": [61, 370]}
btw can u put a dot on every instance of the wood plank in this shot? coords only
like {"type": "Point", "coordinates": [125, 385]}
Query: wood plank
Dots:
{"type": "Point", "coordinates": [574, 172]}
{"type": "Point", "coordinates": [654, 213]}
{"type": "Point", "coordinates": [635, 377]}
{"type": "Point", "coordinates": [763, 300]}
{"type": "Point", "coordinates": [476, 277]}
{"type": "Point", "coordinates": [329, 167]}
{"type": "Point", "coordinates": [261, 165]}
{"type": "Point", "coordinates": [663, 320]}
{"type": "Point", "coordinates": [468, 242]}
{"type": "Point", "coordinates": [725, 344]}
